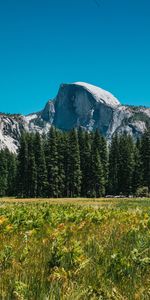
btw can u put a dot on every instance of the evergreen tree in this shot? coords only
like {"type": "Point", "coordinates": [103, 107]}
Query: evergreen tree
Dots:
{"type": "Point", "coordinates": [61, 163]}
{"type": "Point", "coordinates": [66, 163]}
{"type": "Point", "coordinates": [97, 184]}
{"type": "Point", "coordinates": [126, 164]}
{"type": "Point", "coordinates": [3, 173]}
{"type": "Point", "coordinates": [52, 163]}
{"type": "Point", "coordinates": [22, 167]}
{"type": "Point", "coordinates": [32, 170]}
{"type": "Point", "coordinates": [85, 148]}
{"type": "Point", "coordinates": [42, 182]}
{"type": "Point", "coordinates": [74, 171]}
{"type": "Point", "coordinates": [101, 145]}
{"type": "Point", "coordinates": [113, 182]}
{"type": "Point", "coordinates": [75, 163]}
{"type": "Point", "coordinates": [145, 157]}
{"type": "Point", "coordinates": [137, 168]}
{"type": "Point", "coordinates": [104, 158]}
{"type": "Point", "coordinates": [11, 170]}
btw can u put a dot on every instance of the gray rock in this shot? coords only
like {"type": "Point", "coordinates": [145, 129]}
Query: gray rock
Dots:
{"type": "Point", "coordinates": [77, 104]}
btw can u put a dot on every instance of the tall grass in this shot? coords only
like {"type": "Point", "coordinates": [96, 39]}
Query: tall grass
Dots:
{"type": "Point", "coordinates": [68, 252]}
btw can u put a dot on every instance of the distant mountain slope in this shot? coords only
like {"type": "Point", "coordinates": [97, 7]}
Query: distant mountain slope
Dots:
{"type": "Point", "coordinates": [77, 104]}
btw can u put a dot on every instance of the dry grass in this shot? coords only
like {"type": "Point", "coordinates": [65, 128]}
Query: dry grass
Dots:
{"type": "Point", "coordinates": [96, 202]}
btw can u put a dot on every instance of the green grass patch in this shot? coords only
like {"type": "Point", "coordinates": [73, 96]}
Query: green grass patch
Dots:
{"type": "Point", "coordinates": [82, 249]}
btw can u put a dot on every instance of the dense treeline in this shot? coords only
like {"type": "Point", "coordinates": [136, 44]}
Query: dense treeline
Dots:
{"type": "Point", "coordinates": [74, 164]}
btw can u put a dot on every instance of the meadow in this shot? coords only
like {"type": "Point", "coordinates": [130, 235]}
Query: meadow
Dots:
{"type": "Point", "coordinates": [74, 249]}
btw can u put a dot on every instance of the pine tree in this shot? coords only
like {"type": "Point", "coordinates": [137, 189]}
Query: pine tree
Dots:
{"type": "Point", "coordinates": [66, 164]}
{"type": "Point", "coordinates": [97, 184]}
{"type": "Point", "coordinates": [42, 182]}
{"type": "Point", "coordinates": [145, 157]}
{"type": "Point", "coordinates": [101, 145]}
{"type": "Point", "coordinates": [126, 164]}
{"type": "Point", "coordinates": [22, 167]}
{"type": "Point", "coordinates": [137, 168]}
{"type": "Point", "coordinates": [104, 158]}
{"type": "Point", "coordinates": [52, 163]}
{"type": "Point", "coordinates": [85, 148]}
{"type": "Point", "coordinates": [113, 181]}
{"type": "Point", "coordinates": [32, 170]}
{"type": "Point", "coordinates": [11, 169]}
{"type": "Point", "coordinates": [61, 163]}
{"type": "Point", "coordinates": [3, 173]}
{"type": "Point", "coordinates": [74, 171]}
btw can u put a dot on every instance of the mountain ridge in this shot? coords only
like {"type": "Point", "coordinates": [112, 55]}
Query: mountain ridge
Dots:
{"type": "Point", "coordinates": [77, 104]}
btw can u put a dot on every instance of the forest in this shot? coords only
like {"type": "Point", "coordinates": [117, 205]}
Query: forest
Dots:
{"type": "Point", "coordinates": [76, 163]}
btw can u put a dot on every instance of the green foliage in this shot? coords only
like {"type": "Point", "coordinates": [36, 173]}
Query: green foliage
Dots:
{"type": "Point", "coordinates": [74, 252]}
{"type": "Point", "coordinates": [7, 173]}
{"type": "Point", "coordinates": [52, 163]}
{"type": "Point", "coordinates": [142, 192]}
{"type": "Point", "coordinates": [85, 151]}
{"type": "Point", "coordinates": [70, 164]}
{"type": "Point", "coordinates": [145, 157]}
{"type": "Point", "coordinates": [129, 164]}
{"type": "Point", "coordinates": [41, 170]}
{"type": "Point", "coordinates": [3, 173]}
{"type": "Point", "coordinates": [126, 164]}
{"type": "Point", "coordinates": [74, 170]}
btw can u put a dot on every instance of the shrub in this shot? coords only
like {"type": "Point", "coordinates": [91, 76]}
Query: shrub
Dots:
{"type": "Point", "coordinates": [142, 192]}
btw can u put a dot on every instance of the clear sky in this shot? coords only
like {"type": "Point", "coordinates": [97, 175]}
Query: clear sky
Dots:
{"type": "Point", "coordinates": [44, 43]}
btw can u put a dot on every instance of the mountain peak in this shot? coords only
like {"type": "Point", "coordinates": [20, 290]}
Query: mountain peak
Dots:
{"type": "Point", "coordinates": [99, 94]}
{"type": "Point", "coordinates": [77, 104]}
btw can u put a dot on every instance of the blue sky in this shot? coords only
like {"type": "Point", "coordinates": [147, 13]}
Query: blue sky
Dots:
{"type": "Point", "coordinates": [44, 43]}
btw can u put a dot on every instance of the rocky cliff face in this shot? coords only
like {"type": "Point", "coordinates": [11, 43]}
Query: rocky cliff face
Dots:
{"type": "Point", "coordinates": [77, 104]}
{"type": "Point", "coordinates": [81, 104]}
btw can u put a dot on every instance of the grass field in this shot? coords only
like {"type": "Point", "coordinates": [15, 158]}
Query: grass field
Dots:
{"type": "Point", "coordinates": [71, 249]}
